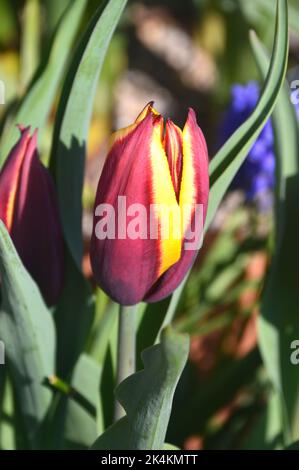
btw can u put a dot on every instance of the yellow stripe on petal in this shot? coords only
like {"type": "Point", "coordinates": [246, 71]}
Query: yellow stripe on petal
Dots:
{"type": "Point", "coordinates": [167, 210]}
{"type": "Point", "coordinates": [188, 188]}
{"type": "Point", "coordinates": [121, 134]}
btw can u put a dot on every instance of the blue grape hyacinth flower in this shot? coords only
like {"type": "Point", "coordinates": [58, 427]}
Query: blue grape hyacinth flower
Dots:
{"type": "Point", "coordinates": [256, 176]}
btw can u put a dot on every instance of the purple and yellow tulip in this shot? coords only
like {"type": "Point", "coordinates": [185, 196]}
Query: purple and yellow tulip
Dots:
{"type": "Point", "coordinates": [29, 210]}
{"type": "Point", "coordinates": [150, 165]}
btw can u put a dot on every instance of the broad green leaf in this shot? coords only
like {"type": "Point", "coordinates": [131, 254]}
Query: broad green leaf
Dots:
{"type": "Point", "coordinates": [38, 101]}
{"type": "Point", "coordinates": [75, 417]}
{"type": "Point", "coordinates": [230, 157]}
{"type": "Point", "coordinates": [109, 373]}
{"type": "Point", "coordinates": [102, 333]}
{"type": "Point", "coordinates": [279, 322]}
{"type": "Point", "coordinates": [84, 421]}
{"type": "Point", "coordinates": [151, 319]}
{"type": "Point", "coordinates": [147, 397]}
{"type": "Point", "coordinates": [75, 310]}
{"type": "Point", "coordinates": [28, 332]}
{"type": "Point", "coordinates": [102, 341]}
{"type": "Point", "coordinates": [69, 145]}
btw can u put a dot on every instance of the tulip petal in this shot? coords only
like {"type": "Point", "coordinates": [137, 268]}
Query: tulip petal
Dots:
{"type": "Point", "coordinates": [173, 144]}
{"type": "Point", "coordinates": [195, 176]}
{"type": "Point", "coordinates": [137, 168]}
{"type": "Point", "coordinates": [194, 189]}
{"type": "Point", "coordinates": [10, 175]}
{"type": "Point", "coordinates": [36, 230]}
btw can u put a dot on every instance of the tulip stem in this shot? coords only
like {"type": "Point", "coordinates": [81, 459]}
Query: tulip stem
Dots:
{"type": "Point", "coordinates": [126, 351]}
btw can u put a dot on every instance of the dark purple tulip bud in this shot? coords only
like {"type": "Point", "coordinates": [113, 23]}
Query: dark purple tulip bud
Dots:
{"type": "Point", "coordinates": [29, 209]}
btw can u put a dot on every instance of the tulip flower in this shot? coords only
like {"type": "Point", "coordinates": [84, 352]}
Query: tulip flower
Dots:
{"type": "Point", "coordinates": [149, 166]}
{"type": "Point", "coordinates": [29, 210]}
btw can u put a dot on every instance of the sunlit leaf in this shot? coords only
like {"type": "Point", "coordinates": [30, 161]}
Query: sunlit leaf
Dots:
{"type": "Point", "coordinates": [27, 330]}
{"type": "Point", "coordinates": [147, 397]}
{"type": "Point", "coordinates": [230, 157]}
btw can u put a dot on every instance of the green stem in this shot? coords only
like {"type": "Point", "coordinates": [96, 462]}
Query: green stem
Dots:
{"type": "Point", "coordinates": [126, 352]}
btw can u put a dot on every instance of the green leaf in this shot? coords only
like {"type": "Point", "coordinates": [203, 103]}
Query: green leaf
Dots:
{"type": "Point", "coordinates": [230, 157]}
{"type": "Point", "coordinates": [262, 11]}
{"type": "Point", "coordinates": [28, 332]}
{"type": "Point", "coordinates": [69, 145]}
{"type": "Point", "coordinates": [266, 434]}
{"type": "Point", "coordinates": [38, 101]}
{"type": "Point", "coordinates": [147, 397]}
{"type": "Point", "coordinates": [151, 319]}
{"type": "Point", "coordinates": [101, 342]}
{"type": "Point", "coordinates": [54, 10]}
{"type": "Point", "coordinates": [279, 322]}
{"type": "Point", "coordinates": [84, 421]}
{"type": "Point", "coordinates": [76, 415]}
{"type": "Point", "coordinates": [75, 313]}
{"type": "Point", "coordinates": [102, 332]}
{"type": "Point", "coordinates": [76, 307]}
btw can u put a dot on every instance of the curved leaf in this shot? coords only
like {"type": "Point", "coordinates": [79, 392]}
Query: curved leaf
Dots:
{"type": "Point", "coordinates": [76, 307]}
{"type": "Point", "coordinates": [147, 397]}
{"type": "Point", "coordinates": [279, 322]}
{"type": "Point", "coordinates": [230, 157]}
{"type": "Point", "coordinates": [69, 145]}
{"type": "Point", "coordinates": [27, 330]}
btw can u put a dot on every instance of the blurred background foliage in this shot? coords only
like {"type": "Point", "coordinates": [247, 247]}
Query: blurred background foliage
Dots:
{"type": "Point", "coordinates": [179, 54]}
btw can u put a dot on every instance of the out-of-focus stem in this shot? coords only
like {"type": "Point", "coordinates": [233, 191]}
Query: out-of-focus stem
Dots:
{"type": "Point", "coordinates": [126, 353]}
{"type": "Point", "coordinates": [30, 41]}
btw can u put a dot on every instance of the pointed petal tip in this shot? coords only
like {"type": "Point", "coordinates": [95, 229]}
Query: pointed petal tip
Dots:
{"type": "Point", "coordinates": [191, 114]}
{"type": "Point", "coordinates": [23, 129]}
{"type": "Point", "coordinates": [170, 125]}
{"type": "Point", "coordinates": [148, 109]}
